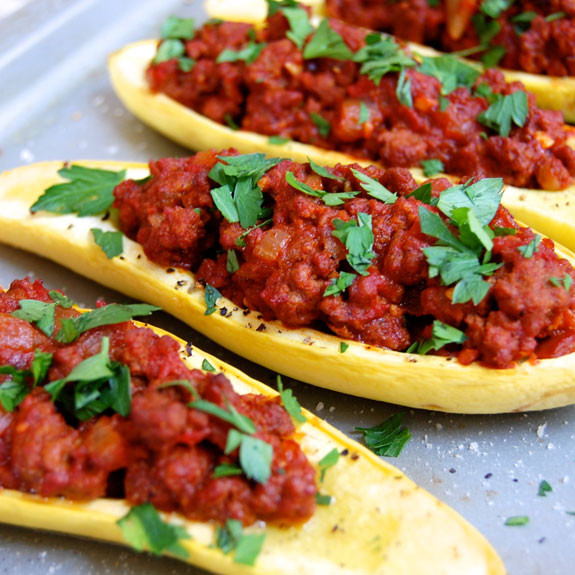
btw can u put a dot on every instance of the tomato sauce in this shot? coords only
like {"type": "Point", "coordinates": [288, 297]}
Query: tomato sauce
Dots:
{"type": "Point", "coordinates": [330, 104]}
{"type": "Point", "coordinates": [286, 264]}
{"type": "Point", "coordinates": [163, 452]}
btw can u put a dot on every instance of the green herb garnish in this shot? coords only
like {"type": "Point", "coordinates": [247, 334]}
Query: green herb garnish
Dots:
{"type": "Point", "coordinates": [374, 188]}
{"type": "Point", "coordinates": [326, 462]}
{"type": "Point", "coordinates": [432, 167]}
{"type": "Point", "coordinates": [403, 91]}
{"type": "Point", "coordinates": [112, 243]}
{"type": "Point", "coordinates": [248, 54]}
{"type": "Point", "coordinates": [290, 402]}
{"type": "Point", "coordinates": [544, 489]}
{"type": "Point", "coordinates": [226, 470]}
{"type": "Point", "coordinates": [328, 198]}
{"type": "Point", "coordinates": [565, 282]}
{"type": "Point", "coordinates": [326, 43]}
{"type": "Point", "coordinates": [144, 529]}
{"type": "Point", "coordinates": [246, 547]}
{"type": "Point", "coordinates": [340, 284]}
{"type": "Point", "coordinates": [323, 126]}
{"type": "Point", "coordinates": [442, 335]}
{"type": "Point", "coordinates": [357, 237]}
{"type": "Point", "coordinates": [363, 113]}
{"type": "Point", "coordinates": [504, 111]}
{"type": "Point", "coordinates": [89, 191]}
{"type": "Point", "coordinates": [343, 347]}
{"type": "Point", "coordinates": [388, 438]}
{"type": "Point", "coordinates": [207, 366]}
{"type": "Point", "coordinates": [531, 248]}
{"type": "Point", "coordinates": [300, 28]}
{"type": "Point", "coordinates": [232, 264]}
{"type": "Point", "coordinates": [450, 71]}
{"type": "Point", "coordinates": [517, 521]}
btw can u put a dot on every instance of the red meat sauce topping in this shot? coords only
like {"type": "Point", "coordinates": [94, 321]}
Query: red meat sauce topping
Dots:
{"type": "Point", "coordinates": [286, 266]}
{"type": "Point", "coordinates": [283, 94]}
{"type": "Point", "coordinates": [164, 452]}
{"type": "Point", "coordinates": [537, 46]}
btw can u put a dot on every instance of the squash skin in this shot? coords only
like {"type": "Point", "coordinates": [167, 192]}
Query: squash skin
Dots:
{"type": "Point", "coordinates": [551, 92]}
{"type": "Point", "coordinates": [417, 533]}
{"type": "Point", "coordinates": [427, 382]}
{"type": "Point", "coordinates": [550, 212]}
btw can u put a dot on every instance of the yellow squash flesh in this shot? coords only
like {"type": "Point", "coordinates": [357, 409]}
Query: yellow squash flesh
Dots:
{"type": "Point", "coordinates": [552, 213]}
{"type": "Point", "coordinates": [551, 92]}
{"type": "Point", "coordinates": [379, 521]}
{"type": "Point", "coordinates": [427, 382]}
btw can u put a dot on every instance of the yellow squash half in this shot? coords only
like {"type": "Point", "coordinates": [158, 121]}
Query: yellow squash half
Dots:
{"type": "Point", "coordinates": [379, 521]}
{"type": "Point", "coordinates": [428, 382]}
{"type": "Point", "coordinates": [552, 213]}
{"type": "Point", "coordinates": [552, 93]}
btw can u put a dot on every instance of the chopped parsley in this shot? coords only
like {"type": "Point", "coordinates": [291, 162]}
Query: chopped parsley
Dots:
{"type": "Point", "coordinates": [323, 172]}
{"type": "Point", "coordinates": [248, 54]}
{"type": "Point", "coordinates": [423, 194]}
{"type": "Point", "coordinates": [494, 8]}
{"type": "Point", "coordinates": [504, 111]}
{"type": "Point", "coordinates": [111, 314]}
{"type": "Point", "coordinates": [328, 198]}
{"type": "Point", "coordinates": [239, 198]}
{"type": "Point", "coordinates": [380, 56]}
{"type": "Point", "coordinates": [40, 365]}
{"type": "Point", "coordinates": [343, 347]}
{"type": "Point", "coordinates": [89, 191]}
{"type": "Point", "coordinates": [207, 366]}
{"type": "Point", "coordinates": [522, 22]}
{"type": "Point", "coordinates": [232, 264]}
{"type": "Point", "coordinates": [517, 521]}
{"type": "Point", "coordinates": [226, 470]}
{"type": "Point", "coordinates": [565, 282]}
{"type": "Point", "coordinates": [544, 489]}
{"type": "Point", "coordinates": [231, 415]}
{"type": "Point", "coordinates": [403, 90]}
{"type": "Point", "coordinates": [531, 248]}
{"type": "Point", "coordinates": [442, 335]}
{"type": "Point", "coordinates": [432, 167]}
{"type": "Point", "coordinates": [450, 71]}
{"type": "Point", "coordinates": [388, 438]}
{"type": "Point", "coordinates": [40, 313]}
{"type": "Point", "coordinates": [340, 284]}
{"type": "Point", "coordinates": [112, 243]}
{"type": "Point", "coordinates": [100, 384]}
{"type": "Point", "coordinates": [231, 123]}
{"type": "Point", "coordinates": [169, 49]}
{"type": "Point", "coordinates": [144, 529]}
{"type": "Point", "coordinates": [178, 28]}
{"type": "Point", "coordinates": [555, 16]}
{"type": "Point", "coordinates": [357, 237]}
{"type": "Point", "coordinates": [323, 126]}
{"type": "Point", "coordinates": [290, 402]}
{"type": "Point", "coordinates": [323, 499]}
{"type": "Point", "coordinates": [374, 188]}
{"type": "Point", "coordinates": [300, 28]}
{"type": "Point", "coordinates": [326, 462]}
{"type": "Point", "coordinates": [246, 547]}
{"type": "Point", "coordinates": [363, 113]}
{"type": "Point", "coordinates": [326, 43]}
{"type": "Point", "coordinates": [278, 140]}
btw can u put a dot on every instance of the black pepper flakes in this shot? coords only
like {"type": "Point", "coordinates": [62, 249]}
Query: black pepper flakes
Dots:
{"type": "Point", "coordinates": [223, 311]}
{"type": "Point", "coordinates": [344, 452]}
{"type": "Point", "coordinates": [261, 327]}
{"type": "Point", "coordinates": [354, 456]}
{"type": "Point", "coordinates": [452, 470]}
{"type": "Point", "coordinates": [170, 270]}
{"type": "Point", "coordinates": [181, 282]}
{"type": "Point", "coordinates": [488, 476]}
{"type": "Point", "coordinates": [189, 349]}
{"type": "Point", "coordinates": [105, 216]}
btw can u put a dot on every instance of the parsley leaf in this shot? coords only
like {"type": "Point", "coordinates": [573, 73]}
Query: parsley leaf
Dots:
{"type": "Point", "coordinates": [226, 469]}
{"type": "Point", "coordinates": [423, 194]}
{"type": "Point", "coordinates": [248, 54]}
{"type": "Point", "coordinates": [374, 188]}
{"type": "Point", "coordinates": [323, 126]}
{"type": "Point", "coordinates": [380, 56]}
{"type": "Point", "coordinates": [143, 528]}
{"type": "Point", "coordinates": [403, 90]}
{"type": "Point", "coordinates": [555, 16]}
{"type": "Point", "coordinates": [326, 43]}
{"type": "Point", "coordinates": [169, 49]}
{"type": "Point", "coordinates": [544, 489]}
{"type": "Point", "coordinates": [323, 499]}
{"type": "Point", "coordinates": [111, 242]}
{"type": "Point", "coordinates": [246, 547]}
{"type": "Point", "coordinates": [14, 391]}
{"type": "Point", "coordinates": [327, 461]}
{"type": "Point", "coordinates": [517, 521]}
{"type": "Point", "coordinates": [178, 28]}
{"type": "Point", "coordinates": [290, 402]}
{"type": "Point", "coordinates": [323, 172]}
{"type": "Point", "coordinates": [239, 198]}
{"type": "Point", "coordinates": [441, 336]}
{"type": "Point", "coordinates": [340, 284]}
{"type": "Point", "coordinates": [278, 140]}
{"type": "Point", "coordinates": [450, 71]}
{"type": "Point", "coordinates": [231, 415]}
{"type": "Point", "coordinates": [111, 314]}
{"type": "Point", "coordinates": [232, 264]}
{"type": "Point", "coordinates": [40, 365]}
{"type": "Point", "coordinates": [529, 249]}
{"type": "Point", "coordinates": [494, 8]}
{"type": "Point", "coordinates": [505, 110]}
{"type": "Point", "coordinates": [207, 366]}
{"type": "Point", "coordinates": [492, 56]}
{"type": "Point", "coordinates": [357, 236]}
{"type": "Point", "coordinates": [300, 28]}
{"type": "Point", "coordinates": [522, 22]}
{"type": "Point", "coordinates": [89, 191]}
{"type": "Point", "coordinates": [388, 438]}
{"type": "Point", "coordinates": [565, 282]}
{"type": "Point", "coordinates": [37, 312]}
{"type": "Point", "coordinates": [328, 198]}
{"type": "Point", "coordinates": [255, 458]}
{"type": "Point", "coordinates": [274, 6]}
{"type": "Point", "coordinates": [363, 113]}
{"type": "Point", "coordinates": [343, 347]}
{"type": "Point", "coordinates": [432, 167]}
{"type": "Point", "coordinates": [211, 296]}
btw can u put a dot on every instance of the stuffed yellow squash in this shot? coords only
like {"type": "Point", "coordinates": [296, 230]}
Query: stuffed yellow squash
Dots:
{"type": "Point", "coordinates": [339, 95]}
{"type": "Point", "coordinates": [124, 433]}
{"type": "Point", "coordinates": [318, 250]}
{"type": "Point", "coordinates": [554, 87]}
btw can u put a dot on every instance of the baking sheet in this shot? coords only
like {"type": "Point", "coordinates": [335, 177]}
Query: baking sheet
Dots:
{"type": "Point", "coordinates": [56, 103]}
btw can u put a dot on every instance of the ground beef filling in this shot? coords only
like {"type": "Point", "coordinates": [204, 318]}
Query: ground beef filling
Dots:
{"type": "Point", "coordinates": [538, 36]}
{"type": "Point", "coordinates": [285, 266]}
{"type": "Point", "coordinates": [328, 103]}
{"type": "Point", "coordinates": [164, 452]}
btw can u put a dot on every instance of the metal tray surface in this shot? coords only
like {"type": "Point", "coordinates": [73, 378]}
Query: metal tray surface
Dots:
{"type": "Point", "coordinates": [56, 103]}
